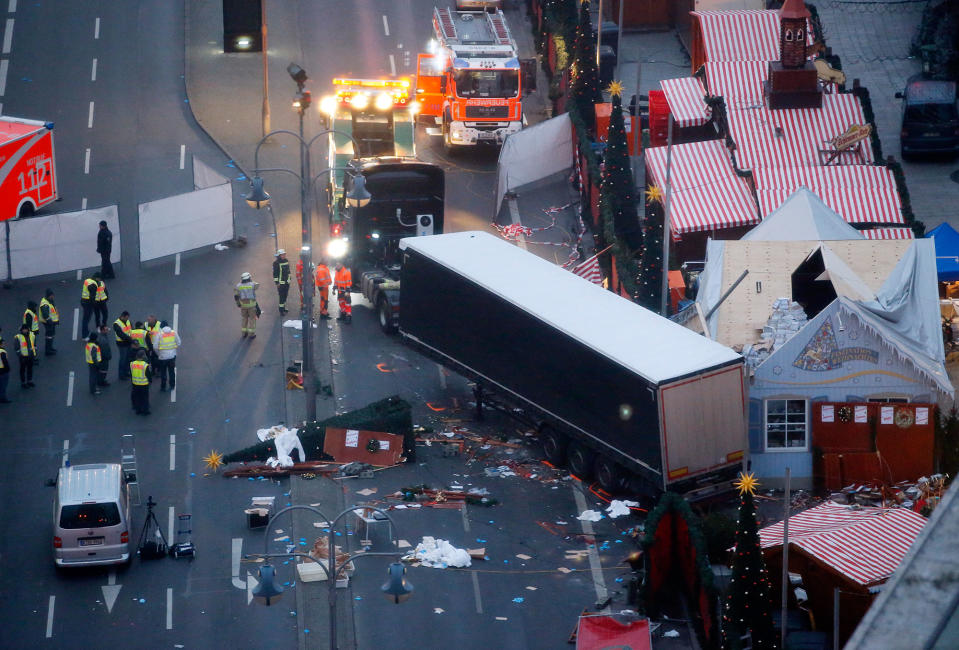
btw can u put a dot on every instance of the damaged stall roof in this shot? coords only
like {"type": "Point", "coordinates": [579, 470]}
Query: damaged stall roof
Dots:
{"type": "Point", "coordinates": [650, 345]}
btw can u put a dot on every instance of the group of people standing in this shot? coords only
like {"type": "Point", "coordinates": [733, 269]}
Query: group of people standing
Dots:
{"type": "Point", "coordinates": [341, 281]}
{"type": "Point", "coordinates": [144, 350]}
{"type": "Point", "coordinates": [25, 342]}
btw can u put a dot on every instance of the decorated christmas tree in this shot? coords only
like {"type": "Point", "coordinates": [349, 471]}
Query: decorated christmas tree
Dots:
{"type": "Point", "coordinates": [584, 83]}
{"type": "Point", "coordinates": [617, 186]}
{"type": "Point", "coordinates": [748, 611]}
{"type": "Point", "coordinates": [649, 281]}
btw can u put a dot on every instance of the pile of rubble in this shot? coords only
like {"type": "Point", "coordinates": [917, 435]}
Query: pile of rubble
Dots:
{"type": "Point", "coordinates": [921, 496]}
{"type": "Point", "coordinates": [788, 317]}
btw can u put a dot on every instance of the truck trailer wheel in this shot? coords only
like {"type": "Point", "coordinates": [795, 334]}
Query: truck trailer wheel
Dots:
{"type": "Point", "coordinates": [610, 476]}
{"type": "Point", "coordinates": [580, 459]}
{"type": "Point", "coordinates": [385, 314]}
{"type": "Point", "coordinates": [554, 446]}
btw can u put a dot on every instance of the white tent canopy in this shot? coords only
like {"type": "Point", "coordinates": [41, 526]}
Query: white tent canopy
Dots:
{"type": "Point", "coordinates": [803, 217]}
{"type": "Point", "coordinates": [533, 154]}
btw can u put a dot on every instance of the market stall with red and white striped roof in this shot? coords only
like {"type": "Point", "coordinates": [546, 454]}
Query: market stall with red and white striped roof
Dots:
{"type": "Point", "coordinates": [859, 193]}
{"type": "Point", "coordinates": [889, 233]}
{"type": "Point", "coordinates": [739, 83]}
{"type": "Point", "coordinates": [685, 99]}
{"type": "Point", "coordinates": [864, 544]}
{"type": "Point", "coordinates": [706, 192]}
{"type": "Point", "coordinates": [746, 35]}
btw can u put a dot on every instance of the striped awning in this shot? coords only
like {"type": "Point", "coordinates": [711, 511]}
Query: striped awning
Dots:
{"type": "Point", "coordinates": [794, 136]}
{"type": "Point", "coordinates": [859, 193]}
{"type": "Point", "coordinates": [740, 83]}
{"type": "Point", "coordinates": [889, 233]}
{"type": "Point", "coordinates": [746, 35]}
{"type": "Point", "coordinates": [865, 545]}
{"type": "Point", "coordinates": [706, 192]}
{"type": "Point", "coordinates": [685, 99]}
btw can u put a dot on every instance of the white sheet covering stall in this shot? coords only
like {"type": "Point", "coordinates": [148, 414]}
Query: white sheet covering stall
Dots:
{"type": "Point", "coordinates": [533, 153]}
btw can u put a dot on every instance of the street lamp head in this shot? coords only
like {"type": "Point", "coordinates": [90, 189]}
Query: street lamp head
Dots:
{"type": "Point", "coordinates": [257, 198]}
{"type": "Point", "coordinates": [267, 591]}
{"type": "Point", "coordinates": [297, 73]}
{"type": "Point", "coordinates": [358, 197]}
{"type": "Point", "coordinates": [397, 588]}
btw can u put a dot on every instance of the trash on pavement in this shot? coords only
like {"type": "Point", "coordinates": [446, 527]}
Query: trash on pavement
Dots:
{"type": "Point", "coordinates": [477, 553]}
{"type": "Point", "coordinates": [438, 554]}
{"type": "Point", "coordinates": [590, 515]}
{"type": "Point", "coordinates": [671, 634]}
{"type": "Point", "coordinates": [619, 508]}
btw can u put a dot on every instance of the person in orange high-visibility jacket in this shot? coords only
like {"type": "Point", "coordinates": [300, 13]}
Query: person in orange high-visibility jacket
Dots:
{"type": "Point", "coordinates": [299, 281]}
{"type": "Point", "coordinates": [343, 281]}
{"type": "Point", "coordinates": [323, 282]}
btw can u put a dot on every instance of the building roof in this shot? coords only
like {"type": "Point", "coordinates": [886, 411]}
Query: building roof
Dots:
{"type": "Point", "coordinates": [685, 99]}
{"type": "Point", "coordinates": [744, 35]}
{"type": "Point", "coordinates": [864, 544]}
{"type": "Point", "coordinates": [947, 251]}
{"type": "Point", "coordinates": [803, 216]}
{"type": "Point", "coordinates": [650, 345]}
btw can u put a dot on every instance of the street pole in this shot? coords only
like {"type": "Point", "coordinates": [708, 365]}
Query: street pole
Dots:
{"type": "Point", "coordinates": [266, 82]}
{"type": "Point", "coordinates": [666, 217]}
{"type": "Point", "coordinates": [619, 46]}
{"type": "Point", "coordinates": [785, 576]}
{"type": "Point", "coordinates": [306, 256]}
{"type": "Point", "coordinates": [599, 32]}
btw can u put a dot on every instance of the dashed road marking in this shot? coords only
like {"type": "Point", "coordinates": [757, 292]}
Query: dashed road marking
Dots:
{"type": "Point", "coordinates": [176, 261]}
{"type": "Point", "coordinates": [235, 555]}
{"type": "Point", "coordinates": [90, 116]}
{"type": "Point", "coordinates": [53, 600]}
{"type": "Point", "coordinates": [4, 67]}
{"type": "Point", "coordinates": [466, 519]}
{"type": "Point", "coordinates": [182, 155]}
{"type": "Point", "coordinates": [172, 451]}
{"type": "Point", "coordinates": [595, 566]}
{"type": "Point", "coordinates": [12, 7]}
{"type": "Point", "coordinates": [476, 593]}
{"type": "Point", "coordinates": [76, 313]}
{"type": "Point", "coordinates": [170, 523]}
{"type": "Point", "coordinates": [169, 608]}
{"type": "Point", "coordinates": [8, 36]}
{"type": "Point", "coordinates": [93, 70]}
{"type": "Point", "coordinates": [392, 65]}
{"type": "Point", "coordinates": [442, 376]}
{"type": "Point", "coordinates": [70, 382]}
{"type": "Point", "coordinates": [386, 26]}
{"type": "Point", "coordinates": [96, 28]}
{"type": "Point", "coordinates": [66, 452]}
{"type": "Point", "coordinates": [83, 206]}
{"type": "Point", "coordinates": [86, 162]}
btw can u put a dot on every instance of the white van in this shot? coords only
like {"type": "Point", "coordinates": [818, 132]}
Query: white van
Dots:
{"type": "Point", "coordinates": [91, 516]}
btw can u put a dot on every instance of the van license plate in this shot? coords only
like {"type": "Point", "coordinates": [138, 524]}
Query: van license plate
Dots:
{"type": "Point", "coordinates": [91, 541]}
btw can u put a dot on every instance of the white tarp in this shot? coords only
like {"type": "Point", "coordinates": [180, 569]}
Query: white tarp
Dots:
{"type": "Point", "coordinates": [534, 153]}
{"type": "Point", "coordinates": [205, 176]}
{"type": "Point", "coordinates": [186, 221]}
{"type": "Point", "coordinates": [56, 243]}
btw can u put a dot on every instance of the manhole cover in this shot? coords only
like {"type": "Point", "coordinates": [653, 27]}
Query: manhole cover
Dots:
{"type": "Point", "coordinates": [955, 176]}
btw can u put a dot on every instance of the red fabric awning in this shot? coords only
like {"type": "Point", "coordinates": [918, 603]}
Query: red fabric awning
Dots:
{"type": "Point", "coordinates": [706, 192]}
{"type": "Point", "coordinates": [889, 233]}
{"type": "Point", "coordinates": [739, 83]}
{"type": "Point", "coordinates": [685, 98]}
{"type": "Point", "coordinates": [599, 632]}
{"type": "Point", "coordinates": [866, 545]}
{"type": "Point", "coordinates": [746, 35]}
{"type": "Point", "coordinates": [859, 193]}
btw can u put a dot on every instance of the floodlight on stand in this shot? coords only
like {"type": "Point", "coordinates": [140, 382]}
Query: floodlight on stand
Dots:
{"type": "Point", "coordinates": [257, 198]}
{"type": "Point", "coordinates": [267, 592]}
{"type": "Point", "coordinates": [358, 197]}
{"type": "Point", "coordinates": [397, 588]}
{"type": "Point", "coordinates": [243, 42]}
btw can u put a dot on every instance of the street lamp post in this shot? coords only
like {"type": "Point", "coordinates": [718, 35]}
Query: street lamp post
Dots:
{"type": "Point", "coordinates": [259, 198]}
{"type": "Point", "coordinates": [267, 591]}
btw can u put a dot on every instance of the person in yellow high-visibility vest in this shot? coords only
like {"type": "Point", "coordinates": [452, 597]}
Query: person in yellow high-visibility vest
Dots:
{"type": "Point", "coordinates": [91, 353]}
{"type": "Point", "coordinates": [88, 296]}
{"type": "Point", "coordinates": [100, 302]}
{"type": "Point", "coordinates": [140, 375]}
{"type": "Point", "coordinates": [4, 373]}
{"type": "Point", "coordinates": [244, 294]}
{"type": "Point", "coordinates": [25, 345]}
{"type": "Point", "coordinates": [50, 317]}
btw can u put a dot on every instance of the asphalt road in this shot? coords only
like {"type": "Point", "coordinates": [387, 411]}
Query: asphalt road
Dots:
{"type": "Point", "coordinates": [141, 128]}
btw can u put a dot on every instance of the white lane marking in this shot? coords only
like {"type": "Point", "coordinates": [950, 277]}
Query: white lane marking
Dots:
{"type": "Point", "coordinates": [514, 215]}
{"type": "Point", "coordinates": [75, 309]}
{"type": "Point", "coordinates": [53, 600]}
{"type": "Point", "coordinates": [176, 262]}
{"type": "Point", "coordinates": [111, 590]}
{"type": "Point", "coordinates": [442, 376]}
{"type": "Point", "coordinates": [595, 566]}
{"type": "Point", "coordinates": [96, 28]}
{"type": "Point", "coordinates": [90, 116]}
{"type": "Point", "coordinates": [170, 524]}
{"type": "Point", "coordinates": [172, 451]}
{"type": "Point", "coordinates": [86, 162]}
{"type": "Point", "coordinates": [66, 453]}
{"type": "Point", "coordinates": [235, 556]}
{"type": "Point", "coordinates": [8, 36]}
{"type": "Point", "coordinates": [392, 65]}
{"type": "Point", "coordinates": [4, 66]}
{"type": "Point", "coordinates": [476, 593]}
{"type": "Point", "coordinates": [76, 314]}
{"type": "Point", "coordinates": [466, 519]}
{"type": "Point", "coordinates": [169, 608]}
{"type": "Point", "coordinates": [182, 155]}
{"type": "Point", "coordinates": [386, 26]}
{"type": "Point", "coordinates": [83, 206]}
{"type": "Point", "coordinates": [70, 382]}
{"type": "Point", "coordinates": [12, 7]}
{"type": "Point", "coordinates": [93, 70]}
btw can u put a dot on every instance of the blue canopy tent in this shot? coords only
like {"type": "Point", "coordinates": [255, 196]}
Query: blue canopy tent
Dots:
{"type": "Point", "coordinates": [947, 252]}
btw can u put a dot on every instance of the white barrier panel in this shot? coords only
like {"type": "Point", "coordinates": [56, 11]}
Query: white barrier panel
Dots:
{"type": "Point", "coordinates": [57, 243]}
{"type": "Point", "coordinates": [533, 153]}
{"type": "Point", "coordinates": [205, 176]}
{"type": "Point", "coordinates": [186, 221]}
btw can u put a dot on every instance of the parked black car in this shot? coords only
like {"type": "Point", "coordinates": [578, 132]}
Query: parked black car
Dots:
{"type": "Point", "coordinates": [930, 119]}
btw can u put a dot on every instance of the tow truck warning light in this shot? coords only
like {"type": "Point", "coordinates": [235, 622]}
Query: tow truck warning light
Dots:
{"type": "Point", "coordinates": [382, 93]}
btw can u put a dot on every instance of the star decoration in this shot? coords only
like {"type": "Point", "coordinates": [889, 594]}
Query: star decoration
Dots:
{"type": "Point", "coordinates": [213, 460]}
{"type": "Point", "coordinates": [615, 89]}
{"type": "Point", "coordinates": [654, 194]}
{"type": "Point", "coordinates": [747, 483]}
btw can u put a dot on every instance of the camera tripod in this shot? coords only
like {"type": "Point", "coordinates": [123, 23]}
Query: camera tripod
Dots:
{"type": "Point", "coordinates": [152, 544]}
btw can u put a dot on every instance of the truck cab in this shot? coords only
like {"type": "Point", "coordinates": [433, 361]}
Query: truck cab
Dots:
{"type": "Point", "coordinates": [930, 119]}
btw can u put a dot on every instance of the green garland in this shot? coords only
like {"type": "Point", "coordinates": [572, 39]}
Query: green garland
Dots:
{"type": "Point", "coordinates": [864, 99]}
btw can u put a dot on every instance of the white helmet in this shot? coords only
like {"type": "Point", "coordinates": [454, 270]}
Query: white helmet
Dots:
{"type": "Point", "coordinates": [281, 251]}
{"type": "Point", "coordinates": [246, 276]}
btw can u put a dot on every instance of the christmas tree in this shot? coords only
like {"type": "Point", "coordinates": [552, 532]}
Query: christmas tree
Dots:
{"type": "Point", "coordinates": [748, 610]}
{"type": "Point", "coordinates": [649, 281]}
{"type": "Point", "coordinates": [617, 186]}
{"type": "Point", "coordinates": [584, 84]}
